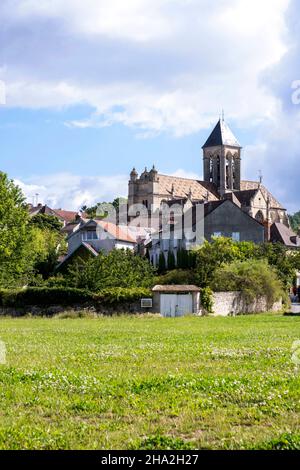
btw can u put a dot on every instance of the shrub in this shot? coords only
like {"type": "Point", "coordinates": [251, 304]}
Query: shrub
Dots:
{"type": "Point", "coordinates": [206, 296]}
{"type": "Point", "coordinates": [119, 268]}
{"type": "Point", "coordinates": [41, 296]}
{"type": "Point", "coordinates": [45, 296]}
{"type": "Point", "coordinates": [254, 278]}
{"type": "Point", "coordinates": [177, 276]}
{"type": "Point", "coordinates": [118, 294]}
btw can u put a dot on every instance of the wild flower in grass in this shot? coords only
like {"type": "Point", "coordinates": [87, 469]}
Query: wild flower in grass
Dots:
{"type": "Point", "coordinates": [2, 353]}
{"type": "Point", "coordinates": [295, 350]}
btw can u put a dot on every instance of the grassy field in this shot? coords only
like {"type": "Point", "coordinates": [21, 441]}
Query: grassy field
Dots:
{"type": "Point", "coordinates": [150, 383]}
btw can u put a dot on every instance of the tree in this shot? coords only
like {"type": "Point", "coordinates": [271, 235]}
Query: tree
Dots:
{"type": "Point", "coordinates": [295, 221]}
{"type": "Point", "coordinates": [46, 221]}
{"type": "Point", "coordinates": [281, 259]}
{"type": "Point", "coordinates": [46, 245]}
{"type": "Point", "coordinates": [211, 256]}
{"type": "Point", "coordinates": [254, 278]}
{"type": "Point", "coordinates": [171, 260]}
{"type": "Point", "coordinates": [15, 266]}
{"type": "Point", "coordinates": [119, 268]}
{"type": "Point", "coordinates": [92, 211]}
{"type": "Point", "coordinates": [161, 263]}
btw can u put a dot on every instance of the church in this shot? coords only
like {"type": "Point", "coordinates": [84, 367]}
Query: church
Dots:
{"type": "Point", "coordinates": [221, 180]}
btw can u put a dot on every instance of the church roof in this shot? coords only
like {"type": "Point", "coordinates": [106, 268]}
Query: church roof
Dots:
{"type": "Point", "coordinates": [179, 188]}
{"type": "Point", "coordinates": [245, 196]}
{"type": "Point", "coordinates": [254, 185]}
{"type": "Point", "coordinates": [221, 135]}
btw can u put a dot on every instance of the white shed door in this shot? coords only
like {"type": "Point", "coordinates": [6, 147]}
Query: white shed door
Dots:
{"type": "Point", "coordinates": [176, 305]}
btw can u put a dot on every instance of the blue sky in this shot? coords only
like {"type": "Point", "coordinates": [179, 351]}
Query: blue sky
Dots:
{"type": "Point", "coordinates": [94, 88]}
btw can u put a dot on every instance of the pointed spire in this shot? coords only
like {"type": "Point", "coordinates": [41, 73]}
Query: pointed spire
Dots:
{"type": "Point", "coordinates": [221, 135]}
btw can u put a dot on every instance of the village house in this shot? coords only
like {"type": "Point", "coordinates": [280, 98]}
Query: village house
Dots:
{"type": "Point", "coordinates": [92, 236]}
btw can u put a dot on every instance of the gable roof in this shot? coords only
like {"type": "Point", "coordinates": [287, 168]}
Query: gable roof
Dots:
{"type": "Point", "coordinates": [246, 196]}
{"type": "Point", "coordinates": [115, 231]}
{"type": "Point", "coordinates": [221, 135]}
{"type": "Point", "coordinates": [283, 234]}
{"type": "Point", "coordinates": [247, 185]}
{"type": "Point", "coordinates": [182, 186]}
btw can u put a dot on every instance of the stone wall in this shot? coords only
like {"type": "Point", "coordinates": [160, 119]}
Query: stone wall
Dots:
{"type": "Point", "coordinates": [234, 303]}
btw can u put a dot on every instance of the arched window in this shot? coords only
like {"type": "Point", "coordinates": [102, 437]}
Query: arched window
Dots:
{"type": "Point", "coordinates": [260, 217]}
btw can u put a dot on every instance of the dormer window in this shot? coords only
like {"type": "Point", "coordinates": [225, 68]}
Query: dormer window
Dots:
{"type": "Point", "coordinates": [89, 235]}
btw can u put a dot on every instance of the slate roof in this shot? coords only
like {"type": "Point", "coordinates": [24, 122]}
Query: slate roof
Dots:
{"type": "Point", "coordinates": [283, 234]}
{"type": "Point", "coordinates": [221, 135]}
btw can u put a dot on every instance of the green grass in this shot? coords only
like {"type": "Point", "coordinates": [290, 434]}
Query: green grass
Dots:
{"type": "Point", "coordinates": [150, 383]}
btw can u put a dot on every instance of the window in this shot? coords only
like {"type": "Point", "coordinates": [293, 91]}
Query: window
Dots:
{"type": "Point", "coordinates": [90, 235]}
{"type": "Point", "coordinates": [236, 236]}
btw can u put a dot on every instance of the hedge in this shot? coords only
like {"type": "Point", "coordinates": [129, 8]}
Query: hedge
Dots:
{"type": "Point", "coordinates": [68, 296]}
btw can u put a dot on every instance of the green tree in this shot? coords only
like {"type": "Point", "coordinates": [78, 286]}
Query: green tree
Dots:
{"type": "Point", "coordinates": [46, 222]}
{"type": "Point", "coordinates": [161, 263]}
{"type": "Point", "coordinates": [253, 278]}
{"type": "Point", "coordinates": [119, 268]}
{"type": "Point", "coordinates": [281, 259]}
{"type": "Point", "coordinates": [295, 221]}
{"type": "Point", "coordinates": [171, 260]}
{"type": "Point", "coordinates": [211, 256]}
{"type": "Point", "coordinates": [15, 267]}
{"type": "Point", "coordinates": [46, 246]}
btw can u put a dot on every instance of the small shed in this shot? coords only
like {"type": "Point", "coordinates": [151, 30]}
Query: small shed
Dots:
{"type": "Point", "coordinates": [176, 300]}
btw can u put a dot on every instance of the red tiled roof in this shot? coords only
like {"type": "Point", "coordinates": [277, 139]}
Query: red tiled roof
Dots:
{"type": "Point", "coordinates": [182, 186]}
{"type": "Point", "coordinates": [68, 216]}
{"type": "Point", "coordinates": [115, 230]}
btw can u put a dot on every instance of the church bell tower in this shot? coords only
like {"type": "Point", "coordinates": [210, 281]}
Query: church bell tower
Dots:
{"type": "Point", "coordinates": [222, 159]}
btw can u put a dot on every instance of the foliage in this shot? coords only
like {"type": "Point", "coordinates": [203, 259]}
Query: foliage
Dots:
{"type": "Point", "coordinates": [282, 260]}
{"type": "Point", "coordinates": [171, 260]}
{"type": "Point", "coordinates": [116, 295]}
{"type": "Point", "coordinates": [46, 222]}
{"type": "Point", "coordinates": [119, 268]}
{"type": "Point", "coordinates": [39, 296]}
{"type": "Point", "coordinates": [46, 245]}
{"type": "Point", "coordinates": [206, 296]}
{"type": "Point", "coordinates": [186, 259]}
{"type": "Point", "coordinates": [177, 276]}
{"type": "Point", "coordinates": [162, 263]}
{"type": "Point", "coordinates": [92, 211]}
{"type": "Point", "coordinates": [210, 256]}
{"type": "Point", "coordinates": [15, 262]}
{"type": "Point", "coordinates": [295, 221]}
{"type": "Point", "coordinates": [254, 278]}
{"type": "Point", "coordinates": [68, 296]}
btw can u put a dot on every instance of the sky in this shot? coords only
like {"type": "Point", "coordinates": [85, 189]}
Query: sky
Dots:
{"type": "Point", "coordinates": [91, 88]}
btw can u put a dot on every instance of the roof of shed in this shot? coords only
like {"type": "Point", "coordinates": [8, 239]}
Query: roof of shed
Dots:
{"type": "Point", "coordinates": [176, 288]}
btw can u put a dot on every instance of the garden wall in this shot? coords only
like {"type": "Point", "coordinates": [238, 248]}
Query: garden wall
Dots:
{"type": "Point", "coordinates": [234, 303]}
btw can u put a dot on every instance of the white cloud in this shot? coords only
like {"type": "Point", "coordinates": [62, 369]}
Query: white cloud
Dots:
{"type": "Point", "coordinates": [153, 65]}
{"type": "Point", "coordinates": [71, 192]}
